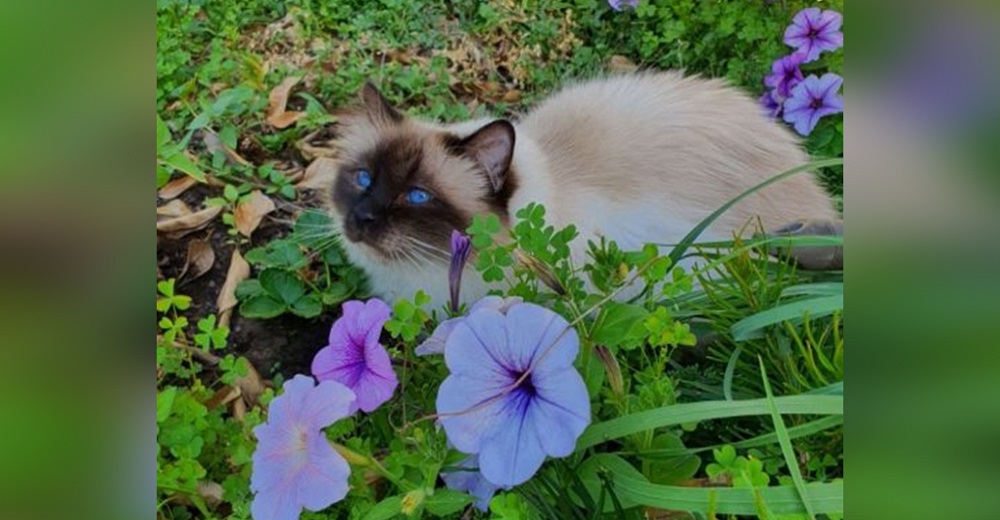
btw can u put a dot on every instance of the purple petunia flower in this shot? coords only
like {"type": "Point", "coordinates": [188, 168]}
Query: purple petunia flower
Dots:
{"type": "Point", "coordinates": [513, 396]}
{"type": "Point", "coordinates": [435, 344]}
{"type": "Point", "coordinates": [354, 356]}
{"type": "Point", "coordinates": [472, 482]}
{"type": "Point", "coordinates": [813, 31]}
{"type": "Point", "coordinates": [785, 74]}
{"type": "Point", "coordinates": [771, 106]}
{"type": "Point", "coordinates": [619, 5]}
{"type": "Point", "coordinates": [294, 467]}
{"type": "Point", "coordinates": [813, 99]}
{"type": "Point", "coordinates": [461, 246]}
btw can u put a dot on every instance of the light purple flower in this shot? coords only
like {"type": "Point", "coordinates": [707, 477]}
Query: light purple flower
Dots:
{"type": "Point", "coordinates": [461, 246]}
{"type": "Point", "coordinates": [619, 5]}
{"type": "Point", "coordinates": [813, 31]}
{"type": "Point", "coordinates": [294, 467]}
{"type": "Point", "coordinates": [813, 99]}
{"type": "Point", "coordinates": [471, 481]}
{"type": "Point", "coordinates": [435, 344]}
{"type": "Point", "coordinates": [771, 106]}
{"type": "Point", "coordinates": [354, 356]}
{"type": "Point", "coordinates": [785, 74]}
{"type": "Point", "coordinates": [487, 409]}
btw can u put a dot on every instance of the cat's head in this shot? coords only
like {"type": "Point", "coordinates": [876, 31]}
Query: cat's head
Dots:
{"type": "Point", "coordinates": [402, 185]}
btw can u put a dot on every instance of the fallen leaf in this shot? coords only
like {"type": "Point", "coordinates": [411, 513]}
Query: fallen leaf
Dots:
{"type": "Point", "coordinates": [250, 385]}
{"type": "Point", "coordinates": [222, 396]}
{"type": "Point", "coordinates": [239, 270]}
{"type": "Point", "coordinates": [210, 492]}
{"type": "Point", "coordinates": [319, 174]}
{"type": "Point", "coordinates": [188, 223]}
{"type": "Point", "coordinates": [511, 96]}
{"type": "Point", "coordinates": [248, 214]}
{"type": "Point", "coordinates": [278, 100]}
{"type": "Point", "coordinates": [173, 209]}
{"type": "Point", "coordinates": [176, 187]}
{"type": "Point", "coordinates": [200, 259]}
{"type": "Point", "coordinates": [239, 410]}
{"type": "Point", "coordinates": [320, 143]}
{"type": "Point", "coordinates": [619, 63]}
{"type": "Point", "coordinates": [213, 143]}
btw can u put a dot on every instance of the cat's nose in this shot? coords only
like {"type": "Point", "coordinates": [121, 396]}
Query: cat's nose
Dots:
{"type": "Point", "coordinates": [362, 216]}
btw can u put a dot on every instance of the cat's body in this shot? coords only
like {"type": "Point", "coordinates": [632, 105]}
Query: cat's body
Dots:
{"type": "Point", "coordinates": [636, 159]}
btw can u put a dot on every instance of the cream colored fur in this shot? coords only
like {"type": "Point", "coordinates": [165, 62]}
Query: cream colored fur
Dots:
{"type": "Point", "coordinates": [637, 159]}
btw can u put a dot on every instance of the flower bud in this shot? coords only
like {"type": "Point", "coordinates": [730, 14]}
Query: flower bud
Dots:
{"type": "Point", "coordinates": [542, 271]}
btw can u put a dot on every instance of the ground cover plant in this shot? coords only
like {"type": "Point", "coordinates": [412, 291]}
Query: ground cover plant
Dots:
{"type": "Point", "coordinates": [285, 389]}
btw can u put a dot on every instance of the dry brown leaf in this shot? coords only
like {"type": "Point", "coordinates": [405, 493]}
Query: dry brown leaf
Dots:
{"type": "Point", "coordinates": [511, 96]}
{"type": "Point", "coordinates": [239, 270]}
{"type": "Point", "coordinates": [250, 385]}
{"type": "Point", "coordinates": [239, 410]}
{"type": "Point", "coordinates": [200, 259]}
{"type": "Point", "coordinates": [278, 100]}
{"type": "Point", "coordinates": [248, 214]}
{"type": "Point", "coordinates": [320, 143]}
{"type": "Point", "coordinates": [620, 63]}
{"type": "Point", "coordinates": [173, 209]}
{"type": "Point", "coordinates": [176, 187]}
{"type": "Point", "coordinates": [214, 144]}
{"type": "Point", "coordinates": [210, 492]}
{"type": "Point", "coordinates": [319, 174]}
{"type": "Point", "coordinates": [188, 223]}
{"type": "Point", "coordinates": [222, 396]}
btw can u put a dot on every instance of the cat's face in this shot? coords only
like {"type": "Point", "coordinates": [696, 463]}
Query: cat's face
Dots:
{"type": "Point", "coordinates": [402, 186]}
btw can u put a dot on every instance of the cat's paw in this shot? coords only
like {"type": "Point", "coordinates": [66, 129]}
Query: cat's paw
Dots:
{"type": "Point", "coordinates": [814, 258]}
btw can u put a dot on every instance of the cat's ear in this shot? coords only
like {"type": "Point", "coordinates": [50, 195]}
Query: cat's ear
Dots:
{"type": "Point", "coordinates": [492, 146]}
{"type": "Point", "coordinates": [377, 107]}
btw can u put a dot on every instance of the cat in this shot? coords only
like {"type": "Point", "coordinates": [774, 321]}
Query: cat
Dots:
{"type": "Point", "coordinates": [634, 158]}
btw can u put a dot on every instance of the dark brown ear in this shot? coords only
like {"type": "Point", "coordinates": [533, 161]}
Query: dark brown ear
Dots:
{"type": "Point", "coordinates": [492, 146]}
{"type": "Point", "coordinates": [378, 108]}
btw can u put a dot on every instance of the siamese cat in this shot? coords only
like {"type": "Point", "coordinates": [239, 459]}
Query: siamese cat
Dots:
{"type": "Point", "coordinates": [634, 158]}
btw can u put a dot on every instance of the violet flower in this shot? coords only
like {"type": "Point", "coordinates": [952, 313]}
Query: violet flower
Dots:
{"type": "Point", "coordinates": [435, 344]}
{"type": "Point", "coordinates": [461, 246]}
{"type": "Point", "coordinates": [513, 396]}
{"type": "Point", "coordinates": [472, 482]}
{"type": "Point", "coordinates": [294, 467]}
{"type": "Point", "coordinates": [813, 31]}
{"type": "Point", "coordinates": [771, 106]}
{"type": "Point", "coordinates": [813, 99]}
{"type": "Point", "coordinates": [785, 74]}
{"type": "Point", "coordinates": [619, 5]}
{"type": "Point", "coordinates": [354, 356]}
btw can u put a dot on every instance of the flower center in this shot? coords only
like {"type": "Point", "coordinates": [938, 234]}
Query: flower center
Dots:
{"type": "Point", "coordinates": [816, 104]}
{"type": "Point", "coordinates": [813, 34]}
{"type": "Point", "coordinates": [525, 386]}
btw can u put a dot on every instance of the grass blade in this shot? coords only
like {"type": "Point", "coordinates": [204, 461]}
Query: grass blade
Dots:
{"type": "Point", "coordinates": [749, 327]}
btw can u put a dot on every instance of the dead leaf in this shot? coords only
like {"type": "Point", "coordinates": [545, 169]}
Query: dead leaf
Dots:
{"type": "Point", "coordinates": [213, 143]}
{"type": "Point", "coordinates": [200, 259]}
{"type": "Point", "coordinates": [222, 396]}
{"type": "Point", "coordinates": [210, 492]}
{"type": "Point", "coordinates": [176, 187]}
{"type": "Point", "coordinates": [620, 63]}
{"type": "Point", "coordinates": [173, 209]}
{"type": "Point", "coordinates": [320, 143]}
{"type": "Point", "coordinates": [248, 214]}
{"type": "Point", "coordinates": [278, 100]}
{"type": "Point", "coordinates": [239, 410]}
{"type": "Point", "coordinates": [319, 174]}
{"type": "Point", "coordinates": [239, 270]}
{"type": "Point", "coordinates": [512, 96]}
{"type": "Point", "coordinates": [188, 223]}
{"type": "Point", "coordinates": [250, 385]}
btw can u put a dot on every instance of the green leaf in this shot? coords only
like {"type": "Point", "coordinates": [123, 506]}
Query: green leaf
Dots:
{"type": "Point", "coordinates": [591, 468]}
{"type": "Point", "coordinates": [619, 324]}
{"type": "Point", "coordinates": [814, 289]}
{"type": "Point", "coordinates": [446, 501]}
{"type": "Point", "coordinates": [262, 306]}
{"type": "Point", "coordinates": [786, 445]}
{"type": "Point", "coordinates": [672, 470]}
{"type": "Point", "coordinates": [165, 403]}
{"type": "Point", "coordinates": [750, 327]}
{"type": "Point", "coordinates": [162, 133]}
{"type": "Point", "coordinates": [180, 161]}
{"type": "Point", "coordinates": [308, 306]}
{"type": "Point", "coordinates": [678, 414]}
{"type": "Point", "coordinates": [282, 285]}
{"type": "Point", "coordinates": [249, 288]}
{"type": "Point", "coordinates": [386, 509]}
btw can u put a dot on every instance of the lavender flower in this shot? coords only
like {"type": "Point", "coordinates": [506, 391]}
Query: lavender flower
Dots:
{"type": "Point", "coordinates": [471, 481]}
{"type": "Point", "coordinates": [294, 467]}
{"type": "Point", "coordinates": [813, 99]}
{"type": "Point", "coordinates": [619, 5]}
{"type": "Point", "coordinates": [461, 246]}
{"type": "Point", "coordinates": [513, 396]}
{"type": "Point", "coordinates": [771, 106]}
{"type": "Point", "coordinates": [435, 344]}
{"type": "Point", "coordinates": [813, 31]}
{"type": "Point", "coordinates": [354, 356]}
{"type": "Point", "coordinates": [785, 74]}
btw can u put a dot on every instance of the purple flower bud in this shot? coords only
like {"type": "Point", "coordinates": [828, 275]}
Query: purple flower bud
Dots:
{"type": "Point", "coordinates": [461, 247]}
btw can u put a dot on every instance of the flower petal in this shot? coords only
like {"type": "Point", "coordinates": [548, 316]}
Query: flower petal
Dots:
{"type": "Point", "coordinates": [343, 363]}
{"type": "Point", "coordinates": [371, 319]}
{"type": "Point", "coordinates": [541, 338]}
{"type": "Point", "coordinates": [326, 404]}
{"type": "Point", "coordinates": [560, 411]}
{"type": "Point", "coordinates": [474, 346]}
{"type": "Point", "coordinates": [324, 480]}
{"type": "Point", "coordinates": [275, 461]}
{"type": "Point", "coordinates": [374, 388]}
{"type": "Point", "coordinates": [470, 409]}
{"type": "Point", "coordinates": [513, 453]}
{"type": "Point", "coordinates": [286, 406]}
{"type": "Point", "coordinates": [472, 482]}
{"type": "Point", "coordinates": [435, 344]}
{"type": "Point", "coordinates": [275, 505]}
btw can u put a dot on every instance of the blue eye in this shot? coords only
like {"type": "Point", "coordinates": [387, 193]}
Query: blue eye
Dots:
{"type": "Point", "coordinates": [364, 179]}
{"type": "Point", "coordinates": [418, 196]}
